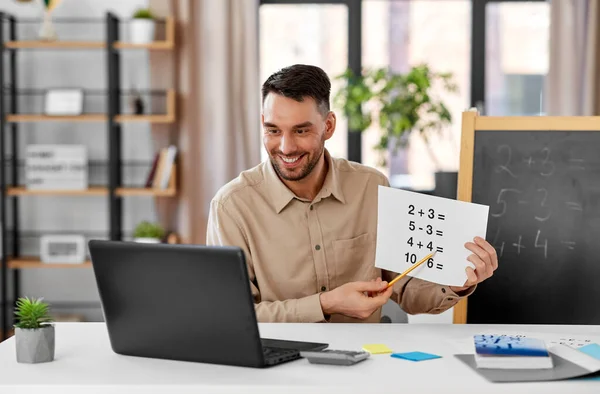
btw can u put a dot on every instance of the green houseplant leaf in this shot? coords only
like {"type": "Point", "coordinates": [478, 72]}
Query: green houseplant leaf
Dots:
{"type": "Point", "coordinates": [146, 229]}
{"type": "Point", "coordinates": [404, 103]}
{"type": "Point", "coordinates": [143, 13]}
{"type": "Point", "coordinates": [32, 313]}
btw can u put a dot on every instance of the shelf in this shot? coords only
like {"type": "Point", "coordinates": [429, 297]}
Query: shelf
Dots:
{"type": "Point", "coordinates": [157, 45]}
{"type": "Point", "coordinates": [144, 118]}
{"type": "Point", "coordinates": [167, 44]}
{"type": "Point", "coordinates": [168, 117]}
{"type": "Point", "coordinates": [33, 262]}
{"type": "Point", "coordinates": [94, 191]}
{"type": "Point", "coordinates": [46, 118]}
{"type": "Point", "coordinates": [140, 191]}
{"type": "Point", "coordinates": [22, 191]}
{"type": "Point", "coordinates": [55, 44]}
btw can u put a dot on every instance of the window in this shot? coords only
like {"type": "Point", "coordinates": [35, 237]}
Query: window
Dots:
{"type": "Point", "coordinates": [517, 57]}
{"type": "Point", "coordinates": [314, 34]}
{"type": "Point", "coordinates": [404, 33]}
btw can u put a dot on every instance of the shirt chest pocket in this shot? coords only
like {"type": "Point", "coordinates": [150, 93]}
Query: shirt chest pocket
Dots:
{"type": "Point", "coordinates": [354, 259]}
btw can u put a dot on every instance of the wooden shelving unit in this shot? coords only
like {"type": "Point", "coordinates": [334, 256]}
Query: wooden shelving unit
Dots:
{"type": "Point", "coordinates": [167, 44]}
{"type": "Point", "coordinates": [151, 192]}
{"type": "Point", "coordinates": [82, 45]}
{"type": "Point", "coordinates": [10, 119]}
{"type": "Point", "coordinates": [23, 118]}
{"type": "Point", "coordinates": [55, 45]}
{"type": "Point", "coordinates": [168, 117]}
{"type": "Point", "coordinates": [34, 262]}
{"type": "Point", "coordinates": [94, 191]}
{"type": "Point", "coordinates": [22, 191]}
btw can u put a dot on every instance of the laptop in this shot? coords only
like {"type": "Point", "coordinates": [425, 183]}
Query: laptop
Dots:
{"type": "Point", "coordinates": [184, 302]}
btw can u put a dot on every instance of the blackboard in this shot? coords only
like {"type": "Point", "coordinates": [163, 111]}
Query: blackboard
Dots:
{"type": "Point", "coordinates": [543, 190]}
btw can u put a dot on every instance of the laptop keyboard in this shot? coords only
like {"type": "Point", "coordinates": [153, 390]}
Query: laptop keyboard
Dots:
{"type": "Point", "coordinates": [274, 355]}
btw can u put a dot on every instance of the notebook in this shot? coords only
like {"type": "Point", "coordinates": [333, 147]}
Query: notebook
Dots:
{"type": "Point", "coordinates": [507, 352]}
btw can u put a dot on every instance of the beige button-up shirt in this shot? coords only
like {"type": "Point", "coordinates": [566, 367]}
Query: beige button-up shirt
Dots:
{"type": "Point", "coordinates": [295, 249]}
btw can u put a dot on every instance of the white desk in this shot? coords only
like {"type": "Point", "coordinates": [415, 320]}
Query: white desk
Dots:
{"type": "Point", "coordinates": [85, 363]}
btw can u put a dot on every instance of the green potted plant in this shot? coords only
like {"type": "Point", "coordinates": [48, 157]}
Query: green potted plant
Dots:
{"type": "Point", "coordinates": [148, 232]}
{"type": "Point", "coordinates": [404, 103]}
{"type": "Point", "coordinates": [142, 26]}
{"type": "Point", "coordinates": [34, 333]}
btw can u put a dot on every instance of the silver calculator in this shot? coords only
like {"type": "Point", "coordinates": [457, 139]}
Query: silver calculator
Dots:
{"type": "Point", "coordinates": [335, 357]}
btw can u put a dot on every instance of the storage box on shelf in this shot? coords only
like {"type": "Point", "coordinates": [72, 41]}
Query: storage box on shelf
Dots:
{"type": "Point", "coordinates": [10, 119]}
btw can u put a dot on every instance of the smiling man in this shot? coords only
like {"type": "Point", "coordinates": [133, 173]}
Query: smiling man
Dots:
{"type": "Point", "coordinates": [307, 222]}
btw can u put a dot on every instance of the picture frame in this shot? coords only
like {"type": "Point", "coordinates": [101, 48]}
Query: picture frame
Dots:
{"type": "Point", "coordinates": [62, 249]}
{"type": "Point", "coordinates": [63, 102]}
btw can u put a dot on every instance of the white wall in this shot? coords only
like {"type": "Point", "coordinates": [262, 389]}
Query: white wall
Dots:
{"type": "Point", "coordinates": [86, 69]}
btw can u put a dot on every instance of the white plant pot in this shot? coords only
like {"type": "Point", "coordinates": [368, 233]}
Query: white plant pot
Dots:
{"type": "Point", "coordinates": [35, 345]}
{"type": "Point", "coordinates": [47, 31]}
{"type": "Point", "coordinates": [142, 31]}
{"type": "Point", "coordinates": [147, 240]}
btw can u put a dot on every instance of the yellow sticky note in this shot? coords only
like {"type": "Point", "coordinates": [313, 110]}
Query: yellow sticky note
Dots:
{"type": "Point", "coordinates": [377, 348]}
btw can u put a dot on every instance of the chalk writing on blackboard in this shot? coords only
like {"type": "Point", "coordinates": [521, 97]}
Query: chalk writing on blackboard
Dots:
{"type": "Point", "coordinates": [543, 190]}
{"type": "Point", "coordinates": [543, 218]}
{"type": "Point", "coordinates": [539, 245]}
{"type": "Point", "coordinates": [519, 246]}
{"type": "Point", "coordinates": [574, 206]}
{"type": "Point", "coordinates": [504, 167]}
{"type": "Point", "coordinates": [570, 244]}
{"type": "Point", "coordinates": [500, 200]}
{"type": "Point", "coordinates": [547, 165]}
{"type": "Point", "coordinates": [529, 161]}
{"type": "Point", "coordinates": [577, 164]}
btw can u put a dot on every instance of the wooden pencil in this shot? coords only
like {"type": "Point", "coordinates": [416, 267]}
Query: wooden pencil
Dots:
{"type": "Point", "coordinates": [402, 275]}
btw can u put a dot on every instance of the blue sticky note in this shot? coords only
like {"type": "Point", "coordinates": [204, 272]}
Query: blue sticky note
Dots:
{"type": "Point", "coordinates": [415, 356]}
{"type": "Point", "coordinates": [592, 349]}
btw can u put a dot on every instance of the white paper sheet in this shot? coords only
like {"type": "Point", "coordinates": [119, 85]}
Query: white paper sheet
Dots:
{"type": "Point", "coordinates": [430, 224]}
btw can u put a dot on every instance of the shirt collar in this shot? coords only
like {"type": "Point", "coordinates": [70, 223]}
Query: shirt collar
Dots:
{"type": "Point", "coordinates": [281, 195]}
{"type": "Point", "coordinates": [332, 184]}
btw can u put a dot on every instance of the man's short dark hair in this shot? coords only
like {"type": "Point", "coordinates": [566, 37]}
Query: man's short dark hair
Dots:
{"type": "Point", "coordinates": [300, 81]}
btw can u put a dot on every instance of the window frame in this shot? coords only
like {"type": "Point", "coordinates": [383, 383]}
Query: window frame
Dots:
{"type": "Point", "coordinates": [354, 150]}
{"type": "Point", "coordinates": [478, 48]}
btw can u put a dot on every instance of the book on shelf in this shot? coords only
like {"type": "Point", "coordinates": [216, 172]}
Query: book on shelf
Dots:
{"type": "Point", "coordinates": [161, 171]}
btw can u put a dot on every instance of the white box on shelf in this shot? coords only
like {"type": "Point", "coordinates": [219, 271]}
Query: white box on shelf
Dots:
{"type": "Point", "coordinates": [63, 102]}
{"type": "Point", "coordinates": [56, 167]}
{"type": "Point", "coordinates": [63, 249]}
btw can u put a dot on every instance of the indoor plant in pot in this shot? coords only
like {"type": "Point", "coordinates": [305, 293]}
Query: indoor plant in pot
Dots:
{"type": "Point", "coordinates": [34, 333]}
{"type": "Point", "coordinates": [147, 232]}
{"type": "Point", "coordinates": [401, 103]}
{"type": "Point", "coordinates": [142, 26]}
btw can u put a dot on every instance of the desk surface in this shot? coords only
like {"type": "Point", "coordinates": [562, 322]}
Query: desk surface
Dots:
{"type": "Point", "coordinates": [85, 363]}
